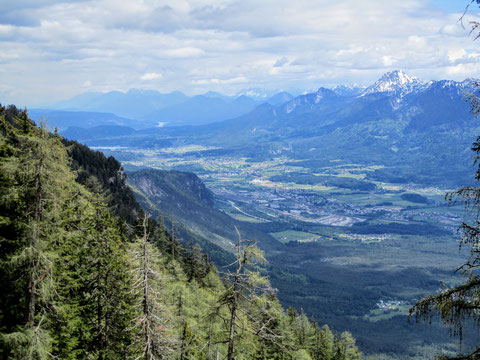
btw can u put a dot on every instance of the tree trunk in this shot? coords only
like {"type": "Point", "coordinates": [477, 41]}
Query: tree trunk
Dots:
{"type": "Point", "coordinates": [37, 215]}
{"type": "Point", "coordinates": [31, 299]}
{"type": "Point", "coordinates": [146, 310]}
{"type": "Point", "coordinates": [232, 319]}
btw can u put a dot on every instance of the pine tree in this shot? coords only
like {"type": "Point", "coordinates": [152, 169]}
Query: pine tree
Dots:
{"type": "Point", "coordinates": [110, 307]}
{"type": "Point", "coordinates": [275, 341]}
{"type": "Point", "coordinates": [69, 327]}
{"type": "Point", "coordinates": [196, 265]}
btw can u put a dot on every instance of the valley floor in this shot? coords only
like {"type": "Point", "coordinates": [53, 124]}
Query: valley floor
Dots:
{"type": "Point", "coordinates": [358, 253]}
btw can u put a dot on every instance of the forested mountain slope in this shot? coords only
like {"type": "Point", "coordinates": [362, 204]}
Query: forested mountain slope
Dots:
{"type": "Point", "coordinates": [86, 276]}
{"type": "Point", "coordinates": [183, 198]}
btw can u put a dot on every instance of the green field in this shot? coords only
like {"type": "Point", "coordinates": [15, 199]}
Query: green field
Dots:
{"type": "Point", "coordinates": [291, 235]}
{"type": "Point", "coordinates": [249, 219]}
{"type": "Point", "coordinates": [387, 313]}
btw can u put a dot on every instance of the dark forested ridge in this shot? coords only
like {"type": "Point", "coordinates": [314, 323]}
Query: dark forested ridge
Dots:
{"type": "Point", "coordinates": [101, 174]}
{"type": "Point", "coordinates": [85, 274]}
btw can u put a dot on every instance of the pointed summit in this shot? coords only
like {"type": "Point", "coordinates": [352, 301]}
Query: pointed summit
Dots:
{"type": "Point", "coordinates": [280, 98]}
{"type": "Point", "coordinates": [394, 81]}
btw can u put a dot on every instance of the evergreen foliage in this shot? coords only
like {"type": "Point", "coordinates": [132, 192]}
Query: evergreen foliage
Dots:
{"type": "Point", "coordinates": [86, 274]}
{"type": "Point", "coordinates": [105, 176]}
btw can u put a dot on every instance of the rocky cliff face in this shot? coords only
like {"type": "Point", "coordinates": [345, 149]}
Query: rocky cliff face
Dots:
{"type": "Point", "coordinates": [184, 189]}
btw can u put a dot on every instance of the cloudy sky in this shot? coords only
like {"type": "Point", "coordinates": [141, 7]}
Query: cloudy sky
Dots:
{"type": "Point", "coordinates": [52, 50]}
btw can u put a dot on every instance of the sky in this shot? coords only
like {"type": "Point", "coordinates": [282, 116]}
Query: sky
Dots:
{"type": "Point", "coordinates": [52, 50]}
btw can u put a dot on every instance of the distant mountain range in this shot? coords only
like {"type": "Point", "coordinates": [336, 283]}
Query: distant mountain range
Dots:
{"type": "Point", "coordinates": [418, 131]}
{"type": "Point", "coordinates": [149, 108]}
{"type": "Point", "coordinates": [63, 119]}
{"type": "Point", "coordinates": [132, 104]}
{"type": "Point", "coordinates": [199, 110]}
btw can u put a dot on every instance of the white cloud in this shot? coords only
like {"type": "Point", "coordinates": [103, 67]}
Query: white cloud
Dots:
{"type": "Point", "coordinates": [151, 76]}
{"type": "Point", "coordinates": [185, 52]}
{"type": "Point", "coordinates": [48, 49]}
{"type": "Point", "coordinates": [236, 80]}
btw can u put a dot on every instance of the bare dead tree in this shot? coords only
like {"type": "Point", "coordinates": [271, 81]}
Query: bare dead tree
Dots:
{"type": "Point", "coordinates": [474, 25]}
{"type": "Point", "coordinates": [154, 333]}
{"type": "Point", "coordinates": [245, 296]}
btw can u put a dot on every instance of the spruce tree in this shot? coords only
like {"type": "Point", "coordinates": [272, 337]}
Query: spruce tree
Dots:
{"type": "Point", "coordinates": [95, 286]}
{"type": "Point", "coordinates": [322, 348]}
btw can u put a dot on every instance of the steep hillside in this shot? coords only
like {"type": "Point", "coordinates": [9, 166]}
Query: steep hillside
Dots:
{"type": "Point", "coordinates": [104, 176]}
{"type": "Point", "coordinates": [183, 199]}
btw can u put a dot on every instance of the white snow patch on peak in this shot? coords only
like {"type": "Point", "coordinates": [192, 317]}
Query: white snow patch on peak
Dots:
{"type": "Point", "coordinates": [394, 81]}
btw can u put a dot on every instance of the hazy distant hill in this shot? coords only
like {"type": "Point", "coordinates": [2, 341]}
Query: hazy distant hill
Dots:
{"type": "Point", "coordinates": [97, 132]}
{"type": "Point", "coordinates": [280, 98]}
{"type": "Point", "coordinates": [84, 119]}
{"type": "Point", "coordinates": [152, 108]}
{"type": "Point", "coordinates": [132, 104]}
{"type": "Point", "coordinates": [201, 109]}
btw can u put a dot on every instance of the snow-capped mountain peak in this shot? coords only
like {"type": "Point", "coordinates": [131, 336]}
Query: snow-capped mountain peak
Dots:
{"type": "Point", "coordinates": [394, 81]}
{"type": "Point", "coordinates": [347, 90]}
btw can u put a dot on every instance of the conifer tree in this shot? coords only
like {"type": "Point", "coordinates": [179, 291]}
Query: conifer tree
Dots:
{"type": "Point", "coordinates": [36, 172]}
{"type": "Point", "coordinates": [275, 342]}
{"type": "Point", "coordinates": [244, 293]}
{"type": "Point", "coordinates": [109, 285]}
{"type": "Point", "coordinates": [196, 265]}
{"type": "Point", "coordinates": [154, 333]}
{"type": "Point", "coordinates": [322, 348]}
{"type": "Point", "coordinates": [96, 300]}
{"type": "Point", "coordinates": [349, 349]}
